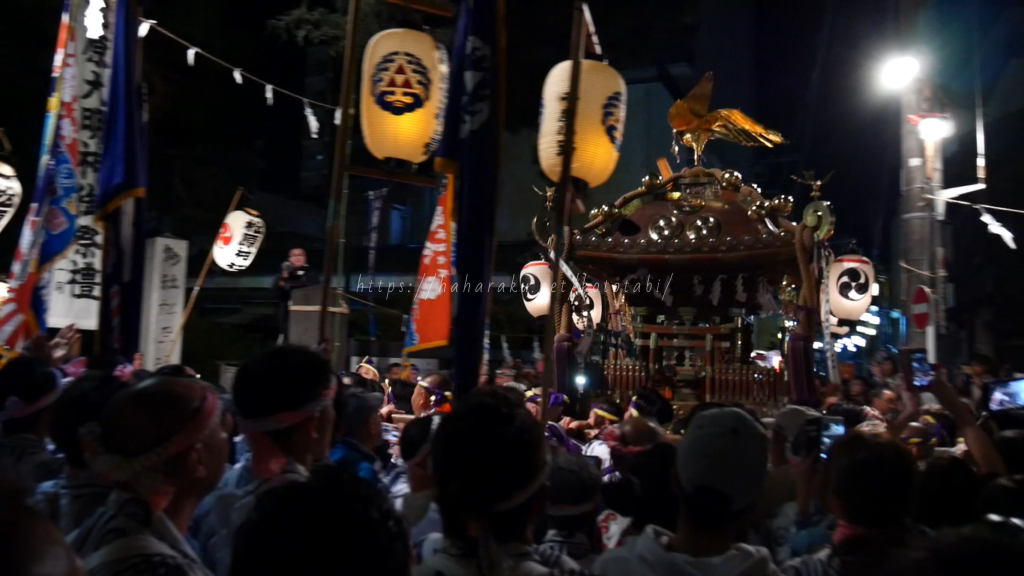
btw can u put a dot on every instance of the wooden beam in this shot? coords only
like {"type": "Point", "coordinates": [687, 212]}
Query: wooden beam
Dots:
{"type": "Point", "coordinates": [391, 176]}
{"type": "Point", "coordinates": [436, 7]}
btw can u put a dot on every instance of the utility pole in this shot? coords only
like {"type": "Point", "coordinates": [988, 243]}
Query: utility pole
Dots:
{"type": "Point", "coordinates": [917, 237]}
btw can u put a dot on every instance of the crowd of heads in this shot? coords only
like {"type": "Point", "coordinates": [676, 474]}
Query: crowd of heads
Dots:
{"type": "Point", "coordinates": [507, 479]}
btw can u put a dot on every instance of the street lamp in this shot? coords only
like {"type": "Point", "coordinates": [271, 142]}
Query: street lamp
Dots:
{"type": "Point", "coordinates": [899, 72]}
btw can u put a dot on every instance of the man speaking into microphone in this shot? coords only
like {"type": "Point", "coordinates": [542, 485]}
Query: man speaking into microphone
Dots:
{"type": "Point", "coordinates": [295, 273]}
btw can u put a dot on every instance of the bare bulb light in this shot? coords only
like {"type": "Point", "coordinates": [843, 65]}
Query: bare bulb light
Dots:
{"type": "Point", "coordinates": [899, 72]}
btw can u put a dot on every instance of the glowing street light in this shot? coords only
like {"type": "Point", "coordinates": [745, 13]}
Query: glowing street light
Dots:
{"type": "Point", "coordinates": [897, 73]}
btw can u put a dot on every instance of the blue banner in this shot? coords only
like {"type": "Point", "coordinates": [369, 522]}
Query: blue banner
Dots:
{"type": "Point", "coordinates": [469, 154]}
{"type": "Point", "coordinates": [121, 192]}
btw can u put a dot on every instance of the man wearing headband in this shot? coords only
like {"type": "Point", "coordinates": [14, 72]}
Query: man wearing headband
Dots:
{"type": "Point", "coordinates": [433, 394]}
{"type": "Point", "coordinates": [603, 415]}
{"type": "Point", "coordinates": [367, 370]}
{"type": "Point", "coordinates": [28, 388]}
{"type": "Point", "coordinates": [921, 438]}
{"type": "Point", "coordinates": [284, 403]}
{"type": "Point", "coordinates": [71, 500]}
{"type": "Point", "coordinates": [162, 446]}
{"type": "Point", "coordinates": [574, 501]}
{"type": "Point", "coordinates": [490, 465]}
{"type": "Point", "coordinates": [650, 404]}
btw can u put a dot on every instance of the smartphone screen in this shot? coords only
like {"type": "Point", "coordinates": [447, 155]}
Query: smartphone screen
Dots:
{"type": "Point", "coordinates": [1006, 395]}
{"type": "Point", "coordinates": [389, 432]}
{"type": "Point", "coordinates": [832, 429]}
{"type": "Point", "coordinates": [922, 370]}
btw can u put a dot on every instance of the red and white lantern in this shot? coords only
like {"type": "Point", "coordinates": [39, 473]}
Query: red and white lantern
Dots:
{"type": "Point", "coordinates": [849, 283]}
{"type": "Point", "coordinates": [535, 285]}
{"type": "Point", "coordinates": [238, 240]}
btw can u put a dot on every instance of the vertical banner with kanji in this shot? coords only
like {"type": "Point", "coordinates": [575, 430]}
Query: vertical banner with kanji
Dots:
{"type": "Point", "coordinates": [163, 300]}
{"type": "Point", "coordinates": [376, 204]}
{"type": "Point", "coordinates": [72, 254]}
{"type": "Point", "coordinates": [431, 316]}
{"type": "Point", "coordinates": [24, 310]}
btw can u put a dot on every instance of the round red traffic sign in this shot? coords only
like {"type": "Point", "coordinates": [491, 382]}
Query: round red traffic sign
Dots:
{"type": "Point", "coordinates": [921, 307]}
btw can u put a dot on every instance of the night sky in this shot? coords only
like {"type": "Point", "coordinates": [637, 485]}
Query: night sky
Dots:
{"type": "Point", "coordinates": [814, 64]}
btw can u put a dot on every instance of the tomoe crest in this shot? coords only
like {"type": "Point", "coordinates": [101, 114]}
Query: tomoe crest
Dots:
{"type": "Point", "coordinates": [401, 83]}
{"type": "Point", "coordinates": [853, 284]}
{"type": "Point", "coordinates": [611, 118]}
{"type": "Point", "coordinates": [530, 286]}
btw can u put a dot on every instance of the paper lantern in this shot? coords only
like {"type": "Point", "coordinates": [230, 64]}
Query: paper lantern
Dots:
{"type": "Point", "coordinates": [600, 121]}
{"type": "Point", "coordinates": [404, 95]}
{"type": "Point", "coordinates": [849, 284]}
{"type": "Point", "coordinates": [589, 302]}
{"type": "Point", "coordinates": [238, 240]}
{"type": "Point", "coordinates": [535, 285]}
{"type": "Point", "coordinates": [10, 194]}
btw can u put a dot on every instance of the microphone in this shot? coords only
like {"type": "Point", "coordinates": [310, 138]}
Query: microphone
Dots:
{"type": "Point", "coordinates": [287, 267]}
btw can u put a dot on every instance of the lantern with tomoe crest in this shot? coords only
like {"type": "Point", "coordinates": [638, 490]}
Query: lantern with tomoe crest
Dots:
{"type": "Point", "coordinates": [404, 95]}
{"type": "Point", "coordinates": [535, 285]}
{"type": "Point", "coordinates": [849, 283]}
{"type": "Point", "coordinates": [600, 121]}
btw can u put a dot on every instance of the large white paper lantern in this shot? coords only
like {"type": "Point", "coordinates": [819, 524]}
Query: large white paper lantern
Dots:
{"type": "Point", "coordinates": [404, 95]}
{"type": "Point", "coordinates": [10, 193]}
{"type": "Point", "coordinates": [600, 121]}
{"type": "Point", "coordinates": [238, 240]}
{"type": "Point", "coordinates": [849, 283]}
{"type": "Point", "coordinates": [535, 285]}
{"type": "Point", "coordinates": [590, 301]}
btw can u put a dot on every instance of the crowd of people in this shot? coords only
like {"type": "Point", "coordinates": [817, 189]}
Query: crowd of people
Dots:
{"type": "Point", "coordinates": [109, 470]}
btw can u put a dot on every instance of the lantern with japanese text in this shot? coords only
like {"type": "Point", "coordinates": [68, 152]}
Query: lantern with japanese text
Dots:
{"type": "Point", "coordinates": [238, 240]}
{"type": "Point", "coordinates": [10, 193]}
{"type": "Point", "coordinates": [535, 285]}
{"type": "Point", "coordinates": [600, 121]}
{"type": "Point", "coordinates": [849, 283]}
{"type": "Point", "coordinates": [583, 304]}
{"type": "Point", "coordinates": [404, 95]}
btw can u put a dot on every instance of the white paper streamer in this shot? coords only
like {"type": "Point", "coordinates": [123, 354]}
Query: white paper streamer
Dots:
{"type": "Point", "coordinates": [269, 93]}
{"type": "Point", "coordinates": [144, 26]}
{"type": "Point", "coordinates": [191, 55]}
{"type": "Point", "coordinates": [337, 116]}
{"type": "Point", "coordinates": [237, 73]}
{"type": "Point", "coordinates": [588, 332]}
{"type": "Point", "coordinates": [314, 124]}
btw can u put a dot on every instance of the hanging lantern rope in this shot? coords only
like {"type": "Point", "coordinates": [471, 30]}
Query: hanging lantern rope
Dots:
{"type": "Point", "coordinates": [235, 71]}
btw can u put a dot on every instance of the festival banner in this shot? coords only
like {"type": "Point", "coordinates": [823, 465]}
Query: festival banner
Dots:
{"type": "Point", "coordinates": [431, 316]}
{"type": "Point", "coordinates": [469, 153]}
{"type": "Point", "coordinates": [72, 253]}
{"type": "Point", "coordinates": [121, 192]}
{"type": "Point", "coordinates": [24, 311]}
{"type": "Point", "coordinates": [163, 300]}
{"type": "Point", "coordinates": [376, 204]}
